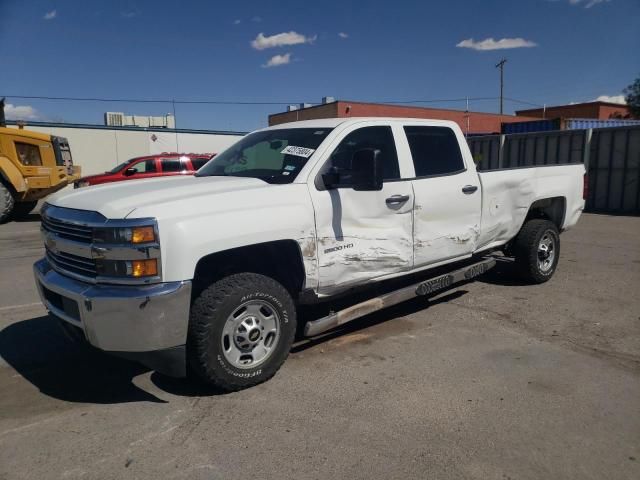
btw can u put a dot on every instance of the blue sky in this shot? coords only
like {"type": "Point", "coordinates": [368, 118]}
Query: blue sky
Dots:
{"type": "Point", "coordinates": [567, 51]}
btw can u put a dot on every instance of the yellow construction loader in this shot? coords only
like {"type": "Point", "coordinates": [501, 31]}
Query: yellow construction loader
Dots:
{"type": "Point", "coordinates": [32, 166]}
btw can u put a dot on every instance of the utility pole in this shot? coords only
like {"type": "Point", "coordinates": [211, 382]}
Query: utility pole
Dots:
{"type": "Point", "coordinates": [500, 65]}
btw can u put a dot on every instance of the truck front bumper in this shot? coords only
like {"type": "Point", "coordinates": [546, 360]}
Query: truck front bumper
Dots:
{"type": "Point", "coordinates": [146, 323]}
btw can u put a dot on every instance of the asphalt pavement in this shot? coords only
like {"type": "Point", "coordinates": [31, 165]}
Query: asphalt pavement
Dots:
{"type": "Point", "coordinates": [491, 380]}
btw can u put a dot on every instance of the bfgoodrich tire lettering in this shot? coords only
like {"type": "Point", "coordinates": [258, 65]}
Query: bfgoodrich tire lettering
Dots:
{"type": "Point", "coordinates": [537, 250]}
{"type": "Point", "coordinates": [209, 329]}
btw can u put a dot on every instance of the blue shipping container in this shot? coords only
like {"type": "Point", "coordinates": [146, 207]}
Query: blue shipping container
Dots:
{"type": "Point", "coordinates": [531, 126]}
{"type": "Point", "coordinates": [585, 123]}
{"type": "Point", "coordinates": [548, 125]}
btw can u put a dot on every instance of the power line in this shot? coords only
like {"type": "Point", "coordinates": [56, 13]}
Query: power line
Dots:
{"type": "Point", "coordinates": [240, 102]}
{"type": "Point", "coordinates": [141, 100]}
{"type": "Point", "coordinates": [515, 100]}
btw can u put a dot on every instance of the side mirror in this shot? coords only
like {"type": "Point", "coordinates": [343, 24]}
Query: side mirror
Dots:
{"type": "Point", "coordinates": [367, 170]}
{"type": "Point", "coordinates": [130, 171]}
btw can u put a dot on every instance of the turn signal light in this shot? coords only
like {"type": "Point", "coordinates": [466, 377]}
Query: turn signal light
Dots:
{"type": "Point", "coordinates": [144, 268]}
{"type": "Point", "coordinates": [142, 235]}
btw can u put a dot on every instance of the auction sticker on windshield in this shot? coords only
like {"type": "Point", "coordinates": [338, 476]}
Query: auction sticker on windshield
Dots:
{"type": "Point", "coordinates": [298, 151]}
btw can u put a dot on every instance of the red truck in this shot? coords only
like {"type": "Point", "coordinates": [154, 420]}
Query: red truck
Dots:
{"type": "Point", "coordinates": [160, 165]}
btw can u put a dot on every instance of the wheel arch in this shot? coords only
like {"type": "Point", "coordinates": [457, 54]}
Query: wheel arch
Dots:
{"type": "Point", "coordinates": [279, 259]}
{"type": "Point", "coordinates": [553, 209]}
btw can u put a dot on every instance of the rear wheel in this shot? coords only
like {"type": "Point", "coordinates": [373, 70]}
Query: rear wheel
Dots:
{"type": "Point", "coordinates": [22, 209]}
{"type": "Point", "coordinates": [7, 203]}
{"type": "Point", "coordinates": [240, 331]}
{"type": "Point", "coordinates": [537, 250]}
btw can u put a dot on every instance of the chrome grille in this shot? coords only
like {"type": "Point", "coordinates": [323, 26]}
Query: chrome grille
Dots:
{"type": "Point", "coordinates": [70, 231]}
{"type": "Point", "coordinates": [72, 263]}
{"type": "Point", "coordinates": [70, 247]}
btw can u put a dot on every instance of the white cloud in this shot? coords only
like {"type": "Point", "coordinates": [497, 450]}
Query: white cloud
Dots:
{"type": "Point", "coordinates": [20, 112]}
{"type": "Point", "coordinates": [611, 99]}
{"type": "Point", "coordinates": [343, 35]}
{"type": "Point", "coordinates": [256, 19]}
{"type": "Point", "coordinates": [587, 3]}
{"type": "Point", "coordinates": [237, 21]}
{"type": "Point", "coordinates": [50, 15]}
{"type": "Point", "coordinates": [491, 44]}
{"type": "Point", "coordinates": [278, 60]}
{"type": "Point", "coordinates": [280, 39]}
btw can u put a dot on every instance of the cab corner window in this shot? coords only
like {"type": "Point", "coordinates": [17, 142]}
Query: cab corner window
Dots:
{"type": "Point", "coordinates": [435, 151]}
{"type": "Point", "coordinates": [379, 138]}
{"type": "Point", "coordinates": [199, 162]}
{"type": "Point", "coordinates": [28, 154]}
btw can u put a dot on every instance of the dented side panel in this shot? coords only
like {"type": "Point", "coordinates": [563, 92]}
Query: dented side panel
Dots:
{"type": "Point", "coordinates": [360, 237]}
{"type": "Point", "coordinates": [508, 194]}
{"type": "Point", "coordinates": [447, 220]}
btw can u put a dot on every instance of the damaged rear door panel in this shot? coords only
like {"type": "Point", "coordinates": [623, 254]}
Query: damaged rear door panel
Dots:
{"type": "Point", "coordinates": [447, 194]}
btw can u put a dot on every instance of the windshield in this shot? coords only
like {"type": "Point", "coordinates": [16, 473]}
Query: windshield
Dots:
{"type": "Point", "coordinates": [275, 156]}
{"type": "Point", "coordinates": [120, 167]}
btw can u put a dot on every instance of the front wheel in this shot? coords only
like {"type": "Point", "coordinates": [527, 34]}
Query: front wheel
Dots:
{"type": "Point", "coordinates": [240, 331]}
{"type": "Point", "coordinates": [7, 203]}
{"type": "Point", "coordinates": [537, 250]}
{"type": "Point", "coordinates": [22, 209]}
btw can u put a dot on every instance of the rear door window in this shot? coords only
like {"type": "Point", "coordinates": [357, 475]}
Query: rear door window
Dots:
{"type": "Point", "coordinates": [171, 165]}
{"type": "Point", "coordinates": [435, 151]}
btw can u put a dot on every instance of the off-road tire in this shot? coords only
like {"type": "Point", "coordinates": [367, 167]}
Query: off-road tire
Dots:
{"type": "Point", "coordinates": [209, 313]}
{"type": "Point", "coordinates": [22, 209]}
{"type": "Point", "coordinates": [526, 250]}
{"type": "Point", "coordinates": [7, 203]}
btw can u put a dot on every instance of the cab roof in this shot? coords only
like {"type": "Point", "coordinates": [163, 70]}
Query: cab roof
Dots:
{"type": "Point", "coordinates": [25, 133]}
{"type": "Point", "coordinates": [334, 122]}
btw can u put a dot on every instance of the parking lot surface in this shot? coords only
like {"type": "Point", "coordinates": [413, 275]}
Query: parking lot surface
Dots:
{"type": "Point", "coordinates": [490, 380]}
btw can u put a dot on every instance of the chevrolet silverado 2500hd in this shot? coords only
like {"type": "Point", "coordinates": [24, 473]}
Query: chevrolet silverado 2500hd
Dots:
{"type": "Point", "coordinates": [204, 273]}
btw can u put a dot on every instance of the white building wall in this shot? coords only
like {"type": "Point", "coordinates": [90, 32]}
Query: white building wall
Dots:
{"type": "Point", "coordinates": [97, 150]}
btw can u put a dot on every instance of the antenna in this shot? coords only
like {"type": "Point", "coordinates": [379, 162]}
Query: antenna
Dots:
{"type": "Point", "coordinates": [500, 65]}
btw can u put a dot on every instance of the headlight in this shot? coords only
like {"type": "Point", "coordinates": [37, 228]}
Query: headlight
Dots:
{"type": "Point", "coordinates": [133, 235]}
{"type": "Point", "coordinates": [127, 251]}
{"type": "Point", "coordinates": [128, 268]}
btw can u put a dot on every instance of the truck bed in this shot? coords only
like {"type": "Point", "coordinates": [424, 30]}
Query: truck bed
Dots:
{"type": "Point", "coordinates": [507, 195]}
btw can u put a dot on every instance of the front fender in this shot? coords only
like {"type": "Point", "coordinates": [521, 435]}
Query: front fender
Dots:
{"type": "Point", "coordinates": [12, 175]}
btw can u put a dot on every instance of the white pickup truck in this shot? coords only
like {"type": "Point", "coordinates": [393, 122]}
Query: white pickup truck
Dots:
{"type": "Point", "coordinates": [204, 273]}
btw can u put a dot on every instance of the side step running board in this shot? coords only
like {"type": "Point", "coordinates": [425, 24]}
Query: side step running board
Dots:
{"type": "Point", "coordinates": [334, 319]}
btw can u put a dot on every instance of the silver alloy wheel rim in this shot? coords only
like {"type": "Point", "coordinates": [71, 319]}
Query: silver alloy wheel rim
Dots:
{"type": "Point", "coordinates": [546, 252]}
{"type": "Point", "coordinates": [251, 334]}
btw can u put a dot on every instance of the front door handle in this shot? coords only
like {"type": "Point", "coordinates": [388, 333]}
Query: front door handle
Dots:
{"type": "Point", "coordinates": [469, 189]}
{"type": "Point", "coordinates": [397, 199]}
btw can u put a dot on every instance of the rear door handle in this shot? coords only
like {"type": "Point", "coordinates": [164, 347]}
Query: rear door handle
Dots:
{"type": "Point", "coordinates": [469, 189]}
{"type": "Point", "coordinates": [397, 199]}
